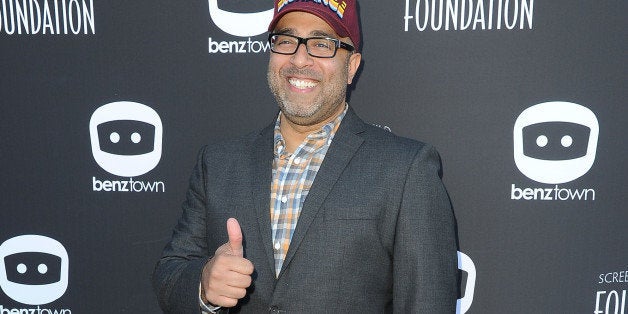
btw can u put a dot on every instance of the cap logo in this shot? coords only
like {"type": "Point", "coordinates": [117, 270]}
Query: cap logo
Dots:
{"type": "Point", "coordinates": [336, 6]}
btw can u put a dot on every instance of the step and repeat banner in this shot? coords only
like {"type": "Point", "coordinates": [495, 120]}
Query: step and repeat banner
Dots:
{"type": "Point", "coordinates": [104, 105]}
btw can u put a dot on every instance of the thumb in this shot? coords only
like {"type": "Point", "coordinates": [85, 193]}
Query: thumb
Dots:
{"type": "Point", "coordinates": [235, 237]}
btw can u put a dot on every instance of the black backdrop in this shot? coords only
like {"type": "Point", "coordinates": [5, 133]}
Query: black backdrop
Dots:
{"type": "Point", "coordinates": [456, 74]}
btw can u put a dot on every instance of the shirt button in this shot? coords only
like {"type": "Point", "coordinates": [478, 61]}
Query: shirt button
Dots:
{"type": "Point", "coordinates": [284, 199]}
{"type": "Point", "coordinates": [277, 245]}
{"type": "Point", "coordinates": [297, 160]}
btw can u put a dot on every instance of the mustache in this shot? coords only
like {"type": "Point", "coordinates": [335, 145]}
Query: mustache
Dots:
{"type": "Point", "coordinates": [306, 73]}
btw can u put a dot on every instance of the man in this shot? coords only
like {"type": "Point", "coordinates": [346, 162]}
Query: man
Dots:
{"type": "Point", "coordinates": [319, 212]}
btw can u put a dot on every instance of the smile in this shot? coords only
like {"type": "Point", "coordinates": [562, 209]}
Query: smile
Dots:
{"type": "Point", "coordinates": [302, 84]}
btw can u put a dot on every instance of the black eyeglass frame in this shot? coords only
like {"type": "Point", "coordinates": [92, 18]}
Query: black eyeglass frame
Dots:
{"type": "Point", "coordinates": [301, 40]}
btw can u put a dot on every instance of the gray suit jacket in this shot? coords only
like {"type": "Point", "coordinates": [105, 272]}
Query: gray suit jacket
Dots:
{"type": "Point", "coordinates": [375, 235]}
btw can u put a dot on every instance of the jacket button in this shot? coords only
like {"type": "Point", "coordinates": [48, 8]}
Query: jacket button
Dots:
{"type": "Point", "coordinates": [273, 310]}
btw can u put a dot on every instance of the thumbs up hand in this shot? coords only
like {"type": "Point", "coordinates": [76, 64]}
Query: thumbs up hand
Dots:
{"type": "Point", "coordinates": [227, 275]}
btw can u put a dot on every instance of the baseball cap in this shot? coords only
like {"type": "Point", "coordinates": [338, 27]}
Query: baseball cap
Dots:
{"type": "Point", "coordinates": [341, 15]}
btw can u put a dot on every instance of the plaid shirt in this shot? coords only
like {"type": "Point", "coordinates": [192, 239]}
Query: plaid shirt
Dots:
{"type": "Point", "coordinates": [293, 175]}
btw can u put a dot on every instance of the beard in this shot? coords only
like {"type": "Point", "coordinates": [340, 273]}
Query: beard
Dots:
{"type": "Point", "coordinates": [305, 110]}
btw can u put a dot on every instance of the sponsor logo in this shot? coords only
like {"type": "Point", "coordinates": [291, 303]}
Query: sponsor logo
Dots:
{"type": "Point", "coordinates": [238, 46]}
{"type": "Point", "coordinates": [240, 24]}
{"type": "Point", "coordinates": [611, 296]}
{"type": "Point", "coordinates": [126, 186]}
{"type": "Point", "coordinates": [54, 17]}
{"type": "Point", "coordinates": [466, 265]}
{"type": "Point", "coordinates": [554, 143]}
{"type": "Point", "coordinates": [126, 139]}
{"type": "Point", "coordinates": [551, 194]}
{"type": "Point", "coordinates": [468, 15]}
{"type": "Point", "coordinates": [33, 269]}
{"type": "Point", "coordinates": [237, 24]}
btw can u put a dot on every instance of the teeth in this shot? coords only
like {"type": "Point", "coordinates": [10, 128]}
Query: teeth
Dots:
{"type": "Point", "coordinates": [301, 83]}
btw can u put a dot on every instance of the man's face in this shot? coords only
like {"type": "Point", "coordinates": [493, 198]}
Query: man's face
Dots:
{"type": "Point", "coordinates": [310, 90]}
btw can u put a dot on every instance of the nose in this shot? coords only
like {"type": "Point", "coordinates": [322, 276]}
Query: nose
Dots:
{"type": "Point", "coordinates": [301, 58]}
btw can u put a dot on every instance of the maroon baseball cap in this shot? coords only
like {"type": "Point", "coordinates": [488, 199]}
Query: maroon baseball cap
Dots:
{"type": "Point", "coordinates": [341, 15]}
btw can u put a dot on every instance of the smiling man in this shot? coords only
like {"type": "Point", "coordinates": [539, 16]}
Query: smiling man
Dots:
{"type": "Point", "coordinates": [319, 212]}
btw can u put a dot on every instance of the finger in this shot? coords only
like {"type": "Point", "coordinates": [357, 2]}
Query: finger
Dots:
{"type": "Point", "coordinates": [225, 267]}
{"type": "Point", "coordinates": [225, 263]}
{"type": "Point", "coordinates": [233, 287]}
{"type": "Point", "coordinates": [242, 266]}
{"type": "Point", "coordinates": [237, 280]}
{"type": "Point", "coordinates": [233, 292]}
{"type": "Point", "coordinates": [222, 301]}
{"type": "Point", "coordinates": [235, 237]}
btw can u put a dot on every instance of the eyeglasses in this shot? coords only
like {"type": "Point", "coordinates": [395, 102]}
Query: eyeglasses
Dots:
{"type": "Point", "coordinates": [319, 47]}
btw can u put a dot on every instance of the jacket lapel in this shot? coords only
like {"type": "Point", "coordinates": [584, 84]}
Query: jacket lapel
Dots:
{"type": "Point", "coordinates": [262, 176]}
{"type": "Point", "coordinates": [344, 145]}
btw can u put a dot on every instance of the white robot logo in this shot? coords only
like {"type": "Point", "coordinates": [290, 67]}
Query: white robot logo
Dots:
{"type": "Point", "coordinates": [240, 24]}
{"type": "Point", "coordinates": [33, 269]}
{"type": "Point", "coordinates": [126, 138]}
{"type": "Point", "coordinates": [555, 142]}
{"type": "Point", "coordinates": [466, 264]}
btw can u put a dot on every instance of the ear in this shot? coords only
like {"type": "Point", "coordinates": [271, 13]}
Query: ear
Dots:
{"type": "Point", "coordinates": [354, 63]}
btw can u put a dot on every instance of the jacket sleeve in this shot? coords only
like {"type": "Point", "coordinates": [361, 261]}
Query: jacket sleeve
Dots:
{"type": "Point", "coordinates": [178, 273]}
{"type": "Point", "coordinates": [425, 259]}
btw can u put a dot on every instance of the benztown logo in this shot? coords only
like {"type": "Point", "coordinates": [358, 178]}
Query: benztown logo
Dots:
{"type": "Point", "coordinates": [240, 24]}
{"type": "Point", "coordinates": [555, 142]}
{"type": "Point", "coordinates": [126, 138]}
{"type": "Point", "coordinates": [466, 265]}
{"type": "Point", "coordinates": [33, 269]}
